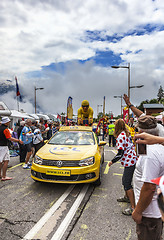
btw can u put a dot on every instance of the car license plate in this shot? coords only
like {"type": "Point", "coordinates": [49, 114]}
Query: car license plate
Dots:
{"type": "Point", "coordinates": [58, 172]}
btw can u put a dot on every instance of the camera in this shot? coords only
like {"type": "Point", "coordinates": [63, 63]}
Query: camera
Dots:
{"type": "Point", "coordinates": [141, 149]}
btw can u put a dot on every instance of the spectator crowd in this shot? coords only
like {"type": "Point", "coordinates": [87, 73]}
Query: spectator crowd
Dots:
{"type": "Point", "coordinates": [142, 172]}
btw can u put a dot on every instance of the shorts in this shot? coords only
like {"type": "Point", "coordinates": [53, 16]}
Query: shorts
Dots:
{"type": "Point", "coordinates": [28, 147]}
{"type": "Point", "coordinates": [150, 229]}
{"type": "Point", "coordinates": [4, 154]}
{"type": "Point", "coordinates": [127, 177]}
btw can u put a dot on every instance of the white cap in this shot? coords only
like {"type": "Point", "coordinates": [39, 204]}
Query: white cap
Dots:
{"type": "Point", "coordinates": [22, 123]}
{"type": "Point", "coordinates": [5, 120]}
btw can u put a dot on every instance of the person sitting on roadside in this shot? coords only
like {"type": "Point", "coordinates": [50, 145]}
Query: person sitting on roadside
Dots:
{"type": "Point", "coordinates": [146, 213]}
{"type": "Point", "coordinates": [85, 114]}
{"type": "Point", "coordinates": [5, 137]}
{"type": "Point", "coordinates": [127, 155]}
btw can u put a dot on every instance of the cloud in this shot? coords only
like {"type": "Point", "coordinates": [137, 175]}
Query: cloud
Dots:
{"type": "Point", "coordinates": [68, 46]}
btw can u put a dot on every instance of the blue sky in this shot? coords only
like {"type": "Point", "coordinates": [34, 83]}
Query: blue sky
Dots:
{"type": "Point", "coordinates": [68, 47]}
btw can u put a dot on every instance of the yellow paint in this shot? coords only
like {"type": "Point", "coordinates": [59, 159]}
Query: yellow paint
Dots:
{"type": "Point", "coordinates": [87, 206]}
{"type": "Point", "coordinates": [95, 195]}
{"type": "Point", "coordinates": [27, 193]}
{"type": "Point", "coordinates": [129, 235]}
{"type": "Point", "coordinates": [103, 189]}
{"type": "Point", "coordinates": [16, 165]}
{"type": "Point", "coordinates": [117, 174]}
{"type": "Point", "coordinates": [52, 203]}
{"type": "Point", "coordinates": [84, 226]}
{"type": "Point", "coordinates": [122, 167]}
{"type": "Point", "coordinates": [106, 169]}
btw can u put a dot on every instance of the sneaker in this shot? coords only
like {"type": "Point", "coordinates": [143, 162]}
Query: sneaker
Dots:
{"type": "Point", "coordinates": [123, 199]}
{"type": "Point", "coordinates": [128, 211]}
{"type": "Point", "coordinates": [25, 166]}
{"type": "Point", "coordinates": [29, 164]}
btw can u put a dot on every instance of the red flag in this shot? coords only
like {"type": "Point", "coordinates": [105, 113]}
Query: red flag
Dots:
{"type": "Point", "coordinates": [17, 88]}
{"type": "Point", "coordinates": [58, 117]}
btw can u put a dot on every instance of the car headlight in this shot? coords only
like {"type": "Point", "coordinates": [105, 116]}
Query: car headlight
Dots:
{"type": "Point", "coordinates": [87, 161]}
{"type": "Point", "coordinates": [38, 160]}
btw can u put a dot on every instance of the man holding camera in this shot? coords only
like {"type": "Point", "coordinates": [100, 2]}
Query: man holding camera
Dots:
{"type": "Point", "coordinates": [147, 214]}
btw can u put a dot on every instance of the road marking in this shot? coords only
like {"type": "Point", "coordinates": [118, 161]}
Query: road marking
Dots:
{"type": "Point", "coordinates": [48, 214]}
{"type": "Point", "coordinates": [114, 151]}
{"type": "Point", "coordinates": [99, 196]}
{"type": "Point", "coordinates": [129, 235]}
{"type": "Point", "coordinates": [84, 226]}
{"type": "Point", "coordinates": [106, 169]}
{"type": "Point", "coordinates": [65, 223]}
{"type": "Point", "coordinates": [16, 166]}
{"type": "Point", "coordinates": [117, 174]}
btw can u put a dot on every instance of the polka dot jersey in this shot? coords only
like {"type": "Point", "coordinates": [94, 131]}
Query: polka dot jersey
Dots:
{"type": "Point", "coordinates": [124, 143]}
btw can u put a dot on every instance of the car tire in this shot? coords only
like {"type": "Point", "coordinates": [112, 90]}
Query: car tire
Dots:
{"type": "Point", "coordinates": [98, 181]}
{"type": "Point", "coordinates": [102, 158]}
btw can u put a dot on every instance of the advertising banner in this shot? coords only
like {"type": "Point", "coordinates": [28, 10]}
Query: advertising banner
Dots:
{"type": "Point", "coordinates": [69, 109]}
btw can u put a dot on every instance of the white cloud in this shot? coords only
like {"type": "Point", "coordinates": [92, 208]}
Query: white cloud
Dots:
{"type": "Point", "coordinates": [37, 33]}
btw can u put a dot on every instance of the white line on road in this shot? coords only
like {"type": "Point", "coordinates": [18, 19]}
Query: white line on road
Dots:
{"type": "Point", "coordinates": [48, 214]}
{"type": "Point", "coordinates": [64, 225]}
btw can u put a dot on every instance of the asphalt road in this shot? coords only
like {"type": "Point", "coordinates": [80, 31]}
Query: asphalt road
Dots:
{"type": "Point", "coordinates": [99, 215]}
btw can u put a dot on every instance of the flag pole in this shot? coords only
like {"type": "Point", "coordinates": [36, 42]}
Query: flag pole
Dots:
{"type": "Point", "coordinates": [103, 117]}
{"type": "Point", "coordinates": [17, 92]}
{"type": "Point", "coordinates": [18, 103]}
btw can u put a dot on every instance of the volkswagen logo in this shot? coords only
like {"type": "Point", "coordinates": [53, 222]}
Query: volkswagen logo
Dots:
{"type": "Point", "coordinates": [59, 163]}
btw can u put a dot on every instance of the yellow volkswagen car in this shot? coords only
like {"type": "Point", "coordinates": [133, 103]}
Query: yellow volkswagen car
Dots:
{"type": "Point", "coordinates": [72, 155]}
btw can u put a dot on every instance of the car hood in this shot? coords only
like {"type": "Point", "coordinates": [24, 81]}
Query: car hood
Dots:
{"type": "Point", "coordinates": [65, 152]}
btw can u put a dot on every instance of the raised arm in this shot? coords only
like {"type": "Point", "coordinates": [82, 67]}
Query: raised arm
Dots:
{"type": "Point", "coordinates": [135, 110]}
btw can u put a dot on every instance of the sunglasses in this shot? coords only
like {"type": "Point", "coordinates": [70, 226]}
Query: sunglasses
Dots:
{"type": "Point", "coordinates": [160, 201]}
{"type": "Point", "coordinates": [85, 106]}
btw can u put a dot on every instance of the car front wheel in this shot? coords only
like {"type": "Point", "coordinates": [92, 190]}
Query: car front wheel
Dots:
{"type": "Point", "coordinates": [98, 181]}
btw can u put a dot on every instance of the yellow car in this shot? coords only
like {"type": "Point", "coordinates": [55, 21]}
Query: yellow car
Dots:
{"type": "Point", "coordinates": [72, 155]}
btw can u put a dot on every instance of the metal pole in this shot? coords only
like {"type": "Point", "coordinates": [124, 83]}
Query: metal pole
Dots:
{"type": "Point", "coordinates": [128, 86]}
{"type": "Point", "coordinates": [18, 103]}
{"type": "Point", "coordinates": [35, 98]}
{"type": "Point", "coordinates": [121, 106]}
{"type": "Point", "coordinates": [97, 111]}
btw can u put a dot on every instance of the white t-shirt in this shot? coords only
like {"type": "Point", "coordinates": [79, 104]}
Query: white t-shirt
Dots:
{"type": "Point", "coordinates": [148, 167]}
{"type": "Point", "coordinates": [37, 138]}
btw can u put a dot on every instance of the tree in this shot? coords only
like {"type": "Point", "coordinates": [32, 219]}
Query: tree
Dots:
{"type": "Point", "coordinates": [154, 100]}
{"type": "Point", "coordinates": [160, 94]}
{"type": "Point", "coordinates": [140, 107]}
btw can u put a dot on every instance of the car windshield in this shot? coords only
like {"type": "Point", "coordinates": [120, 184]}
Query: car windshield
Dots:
{"type": "Point", "coordinates": [73, 138]}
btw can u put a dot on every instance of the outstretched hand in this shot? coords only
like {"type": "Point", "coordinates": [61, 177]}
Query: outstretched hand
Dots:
{"type": "Point", "coordinates": [126, 99]}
